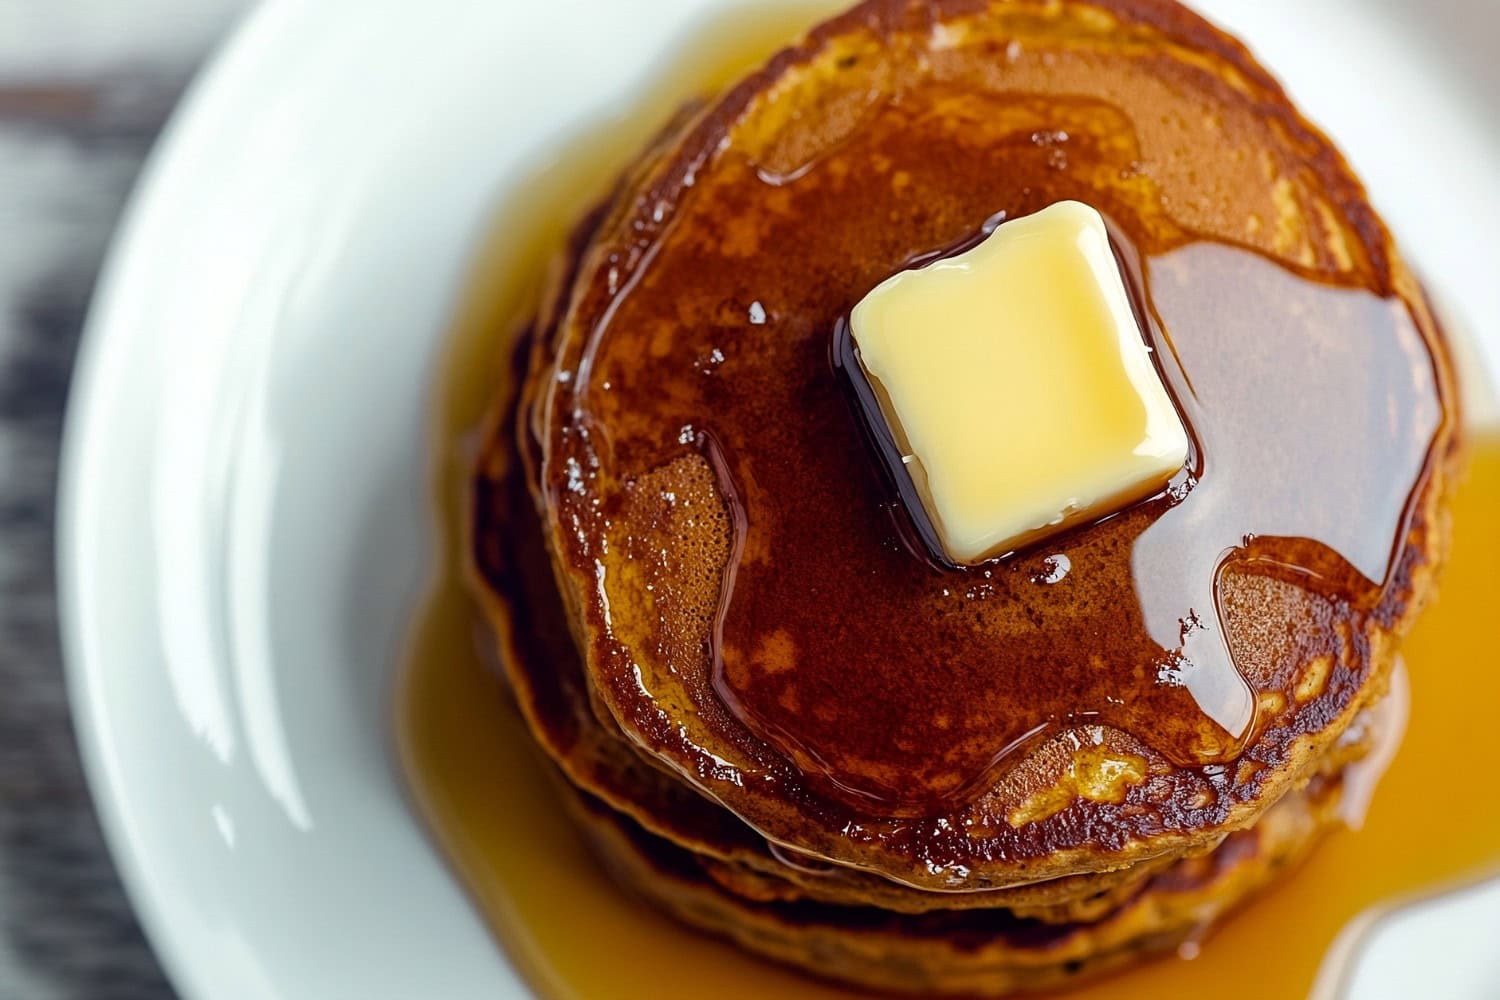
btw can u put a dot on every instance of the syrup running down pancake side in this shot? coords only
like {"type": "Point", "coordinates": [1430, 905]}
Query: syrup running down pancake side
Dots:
{"type": "Point", "coordinates": [489, 796]}
{"type": "Point", "coordinates": [495, 811]}
{"type": "Point", "coordinates": [749, 614]}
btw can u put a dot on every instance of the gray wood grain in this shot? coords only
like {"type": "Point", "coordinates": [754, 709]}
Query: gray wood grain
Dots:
{"type": "Point", "coordinates": [83, 94]}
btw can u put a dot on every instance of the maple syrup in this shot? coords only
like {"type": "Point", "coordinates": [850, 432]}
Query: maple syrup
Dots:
{"type": "Point", "coordinates": [483, 786]}
{"type": "Point", "coordinates": [728, 548]}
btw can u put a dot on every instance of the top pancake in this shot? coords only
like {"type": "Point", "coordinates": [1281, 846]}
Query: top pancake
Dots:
{"type": "Point", "coordinates": [746, 611]}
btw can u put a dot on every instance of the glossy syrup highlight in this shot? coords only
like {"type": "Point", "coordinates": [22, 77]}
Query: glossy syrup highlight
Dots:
{"type": "Point", "coordinates": [895, 691]}
{"type": "Point", "coordinates": [483, 787]}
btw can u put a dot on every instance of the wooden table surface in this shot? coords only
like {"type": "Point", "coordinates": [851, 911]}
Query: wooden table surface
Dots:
{"type": "Point", "coordinates": [85, 86]}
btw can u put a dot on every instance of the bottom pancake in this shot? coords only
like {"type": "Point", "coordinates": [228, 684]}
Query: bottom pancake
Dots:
{"type": "Point", "coordinates": [962, 952]}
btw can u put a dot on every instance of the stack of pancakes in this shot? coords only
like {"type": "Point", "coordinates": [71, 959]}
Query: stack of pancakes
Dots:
{"type": "Point", "coordinates": [780, 724]}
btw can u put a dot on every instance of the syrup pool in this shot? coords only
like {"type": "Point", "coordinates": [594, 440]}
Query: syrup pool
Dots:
{"type": "Point", "coordinates": [484, 790]}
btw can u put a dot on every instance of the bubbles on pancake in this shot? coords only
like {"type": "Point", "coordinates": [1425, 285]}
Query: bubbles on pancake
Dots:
{"type": "Point", "coordinates": [808, 120]}
{"type": "Point", "coordinates": [709, 362]}
{"type": "Point", "coordinates": [994, 162]}
{"type": "Point", "coordinates": [1287, 639]}
{"type": "Point", "coordinates": [1053, 141]}
{"type": "Point", "coordinates": [672, 539]}
{"type": "Point", "coordinates": [1054, 569]}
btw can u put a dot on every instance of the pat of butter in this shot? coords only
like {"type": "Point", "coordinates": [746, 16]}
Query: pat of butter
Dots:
{"type": "Point", "coordinates": [1017, 384]}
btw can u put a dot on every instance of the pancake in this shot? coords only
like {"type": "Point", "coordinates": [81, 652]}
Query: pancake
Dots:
{"type": "Point", "coordinates": [542, 666]}
{"type": "Point", "coordinates": [779, 723]}
{"type": "Point", "coordinates": [969, 953]}
{"type": "Point", "coordinates": [750, 625]}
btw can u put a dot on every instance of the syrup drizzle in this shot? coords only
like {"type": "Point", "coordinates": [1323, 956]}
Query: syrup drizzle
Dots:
{"type": "Point", "coordinates": [477, 778]}
{"type": "Point", "coordinates": [912, 689]}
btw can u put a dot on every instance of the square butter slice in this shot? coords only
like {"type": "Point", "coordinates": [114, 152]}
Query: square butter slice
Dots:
{"type": "Point", "coordinates": [1018, 385]}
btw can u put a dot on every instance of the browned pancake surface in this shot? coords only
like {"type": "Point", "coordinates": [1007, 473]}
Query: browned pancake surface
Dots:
{"type": "Point", "coordinates": [976, 953]}
{"type": "Point", "coordinates": [726, 549]}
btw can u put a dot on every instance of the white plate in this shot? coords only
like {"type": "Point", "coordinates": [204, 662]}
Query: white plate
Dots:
{"type": "Point", "coordinates": [244, 524]}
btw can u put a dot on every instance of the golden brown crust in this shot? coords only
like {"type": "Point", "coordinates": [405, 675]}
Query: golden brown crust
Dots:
{"type": "Point", "coordinates": [513, 581]}
{"type": "Point", "coordinates": [1329, 228]}
{"type": "Point", "coordinates": [975, 953]}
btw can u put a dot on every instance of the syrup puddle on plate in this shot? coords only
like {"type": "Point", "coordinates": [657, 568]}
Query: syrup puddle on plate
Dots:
{"type": "Point", "coordinates": [483, 788]}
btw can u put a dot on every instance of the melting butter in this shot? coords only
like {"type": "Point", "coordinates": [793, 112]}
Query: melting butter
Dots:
{"type": "Point", "coordinates": [1015, 379]}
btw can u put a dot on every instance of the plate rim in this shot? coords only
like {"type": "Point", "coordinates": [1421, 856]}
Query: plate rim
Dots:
{"type": "Point", "coordinates": [250, 30]}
